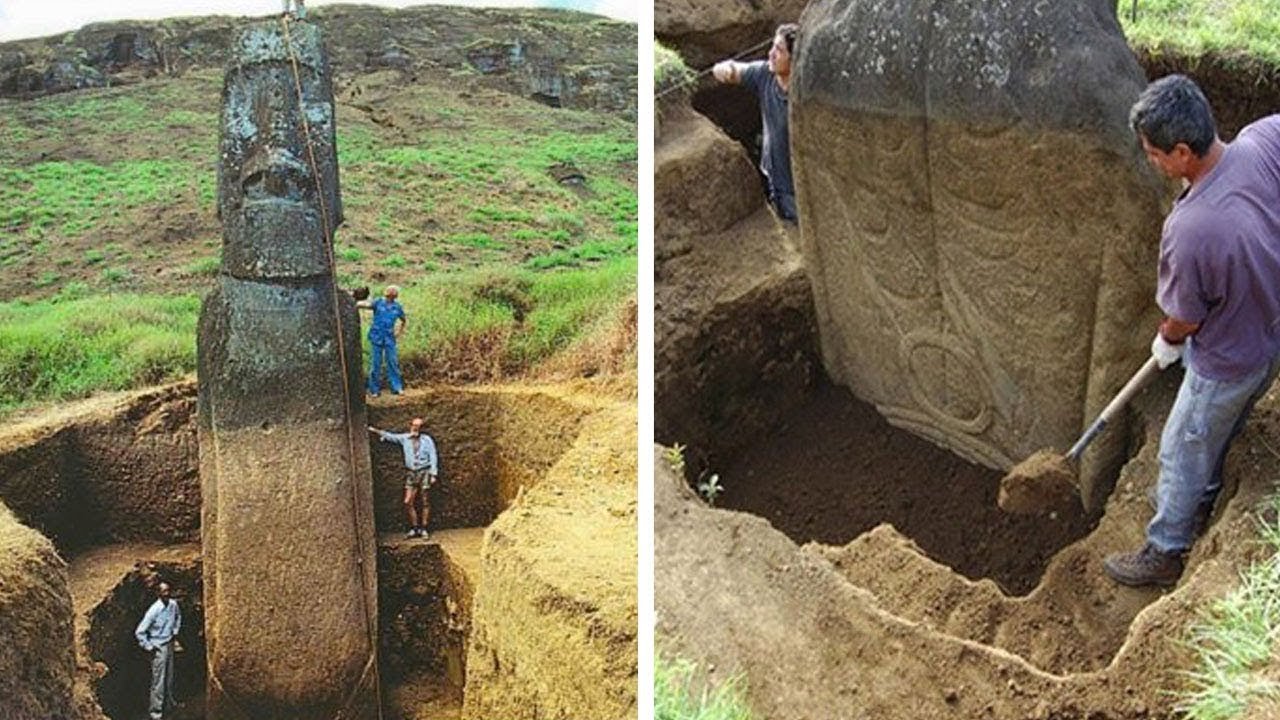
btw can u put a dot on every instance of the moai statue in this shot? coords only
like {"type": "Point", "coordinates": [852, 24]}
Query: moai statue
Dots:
{"type": "Point", "coordinates": [979, 223]}
{"type": "Point", "coordinates": [287, 529]}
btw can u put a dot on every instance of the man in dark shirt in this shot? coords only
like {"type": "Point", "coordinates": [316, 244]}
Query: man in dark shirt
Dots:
{"type": "Point", "coordinates": [770, 81]}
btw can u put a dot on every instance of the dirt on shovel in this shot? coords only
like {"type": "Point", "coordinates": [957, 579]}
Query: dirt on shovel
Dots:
{"type": "Point", "coordinates": [1041, 484]}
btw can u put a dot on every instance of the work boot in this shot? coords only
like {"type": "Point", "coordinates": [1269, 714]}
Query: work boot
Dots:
{"type": "Point", "coordinates": [1148, 566]}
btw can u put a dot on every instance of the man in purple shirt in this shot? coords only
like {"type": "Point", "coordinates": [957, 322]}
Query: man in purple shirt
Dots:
{"type": "Point", "coordinates": [1219, 286]}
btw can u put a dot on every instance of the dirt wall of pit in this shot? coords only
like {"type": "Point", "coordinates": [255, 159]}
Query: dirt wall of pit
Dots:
{"type": "Point", "coordinates": [490, 444]}
{"type": "Point", "coordinates": [37, 656]}
{"type": "Point", "coordinates": [896, 635]}
{"type": "Point", "coordinates": [107, 470]}
{"type": "Point", "coordinates": [424, 603]}
{"type": "Point", "coordinates": [554, 617]}
{"type": "Point", "coordinates": [125, 468]}
{"type": "Point", "coordinates": [734, 331]}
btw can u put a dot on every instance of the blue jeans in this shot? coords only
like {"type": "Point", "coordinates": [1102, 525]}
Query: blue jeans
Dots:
{"type": "Point", "coordinates": [784, 204]}
{"type": "Point", "coordinates": [1206, 416]}
{"type": "Point", "coordinates": [393, 368]}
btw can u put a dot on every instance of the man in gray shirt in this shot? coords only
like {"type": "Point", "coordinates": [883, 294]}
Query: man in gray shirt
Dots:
{"type": "Point", "coordinates": [770, 80]}
{"type": "Point", "coordinates": [1218, 283]}
{"type": "Point", "coordinates": [157, 634]}
{"type": "Point", "coordinates": [420, 464]}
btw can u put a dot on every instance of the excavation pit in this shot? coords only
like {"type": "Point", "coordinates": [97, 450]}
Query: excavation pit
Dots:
{"type": "Point", "coordinates": [845, 549]}
{"type": "Point", "coordinates": [834, 469]}
{"type": "Point", "coordinates": [114, 483]}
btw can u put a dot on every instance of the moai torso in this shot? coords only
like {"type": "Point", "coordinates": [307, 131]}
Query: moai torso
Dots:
{"type": "Point", "coordinates": [287, 528]}
{"type": "Point", "coordinates": [978, 221]}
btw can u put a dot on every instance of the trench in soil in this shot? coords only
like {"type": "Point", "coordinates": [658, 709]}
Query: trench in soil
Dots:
{"type": "Point", "coordinates": [834, 469]}
{"type": "Point", "coordinates": [425, 587]}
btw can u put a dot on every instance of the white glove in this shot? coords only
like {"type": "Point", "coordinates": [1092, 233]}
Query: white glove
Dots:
{"type": "Point", "coordinates": [1165, 352]}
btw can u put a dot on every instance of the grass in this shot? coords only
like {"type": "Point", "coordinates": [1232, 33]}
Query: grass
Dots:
{"type": "Point", "coordinates": [479, 186]}
{"type": "Point", "coordinates": [78, 345]}
{"type": "Point", "coordinates": [669, 68]}
{"type": "Point", "coordinates": [1196, 27]}
{"type": "Point", "coordinates": [1234, 640]}
{"type": "Point", "coordinates": [491, 322]}
{"type": "Point", "coordinates": [680, 693]}
{"type": "Point", "coordinates": [483, 324]}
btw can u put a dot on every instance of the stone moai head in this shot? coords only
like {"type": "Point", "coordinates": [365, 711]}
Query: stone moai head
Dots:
{"type": "Point", "coordinates": [274, 213]}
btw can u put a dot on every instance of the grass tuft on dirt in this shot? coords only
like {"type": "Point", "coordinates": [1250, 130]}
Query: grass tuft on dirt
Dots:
{"type": "Point", "coordinates": [669, 69]}
{"type": "Point", "coordinates": [1247, 29]}
{"type": "Point", "coordinates": [681, 692]}
{"type": "Point", "coordinates": [1234, 641]}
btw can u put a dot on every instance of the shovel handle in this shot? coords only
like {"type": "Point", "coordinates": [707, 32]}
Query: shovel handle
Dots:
{"type": "Point", "coordinates": [1122, 398]}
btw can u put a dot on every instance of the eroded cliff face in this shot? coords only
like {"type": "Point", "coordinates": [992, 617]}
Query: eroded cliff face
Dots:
{"type": "Point", "coordinates": [980, 228]}
{"type": "Point", "coordinates": [558, 57]}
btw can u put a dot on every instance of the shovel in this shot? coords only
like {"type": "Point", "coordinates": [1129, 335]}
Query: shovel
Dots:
{"type": "Point", "coordinates": [1047, 480]}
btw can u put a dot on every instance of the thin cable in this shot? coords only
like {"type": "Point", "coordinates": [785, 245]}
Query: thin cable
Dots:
{"type": "Point", "coordinates": [696, 76]}
{"type": "Point", "coordinates": [370, 630]}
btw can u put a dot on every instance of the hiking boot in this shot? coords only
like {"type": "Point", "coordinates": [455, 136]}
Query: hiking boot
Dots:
{"type": "Point", "coordinates": [1148, 566]}
{"type": "Point", "coordinates": [422, 533]}
{"type": "Point", "coordinates": [413, 533]}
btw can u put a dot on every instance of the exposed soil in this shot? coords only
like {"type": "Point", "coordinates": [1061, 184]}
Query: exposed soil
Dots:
{"type": "Point", "coordinates": [836, 469]}
{"type": "Point", "coordinates": [848, 550]}
{"type": "Point", "coordinates": [555, 460]}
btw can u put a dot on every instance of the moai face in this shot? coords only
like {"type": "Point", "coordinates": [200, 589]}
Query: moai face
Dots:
{"type": "Point", "coordinates": [277, 219]}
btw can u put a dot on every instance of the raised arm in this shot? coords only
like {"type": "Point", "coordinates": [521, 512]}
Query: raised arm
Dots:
{"type": "Point", "coordinates": [728, 71]}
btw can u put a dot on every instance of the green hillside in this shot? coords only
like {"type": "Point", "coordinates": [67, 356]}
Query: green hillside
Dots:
{"type": "Point", "coordinates": [511, 225]}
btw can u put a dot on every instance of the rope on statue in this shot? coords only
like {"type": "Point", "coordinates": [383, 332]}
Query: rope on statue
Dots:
{"type": "Point", "coordinates": [342, 359]}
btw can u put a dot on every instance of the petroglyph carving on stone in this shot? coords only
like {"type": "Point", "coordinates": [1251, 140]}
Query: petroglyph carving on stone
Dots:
{"type": "Point", "coordinates": [979, 225]}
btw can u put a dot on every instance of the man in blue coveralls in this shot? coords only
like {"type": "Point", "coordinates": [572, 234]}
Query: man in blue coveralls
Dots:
{"type": "Point", "coordinates": [388, 324]}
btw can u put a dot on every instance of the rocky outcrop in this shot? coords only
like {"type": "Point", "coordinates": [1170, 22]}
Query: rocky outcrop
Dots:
{"type": "Point", "coordinates": [562, 58]}
{"type": "Point", "coordinates": [710, 30]}
{"type": "Point", "coordinates": [979, 224]}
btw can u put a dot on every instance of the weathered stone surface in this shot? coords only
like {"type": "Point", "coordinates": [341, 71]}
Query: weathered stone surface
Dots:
{"type": "Point", "coordinates": [979, 224]}
{"type": "Point", "coordinates": [593, 58]}
{"type": "Point", "coordinates": [710, 30]}
{"type": "Point", "coordinates": [287, 527]}
{"type": "Point", "coordinates": [37, 655]}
